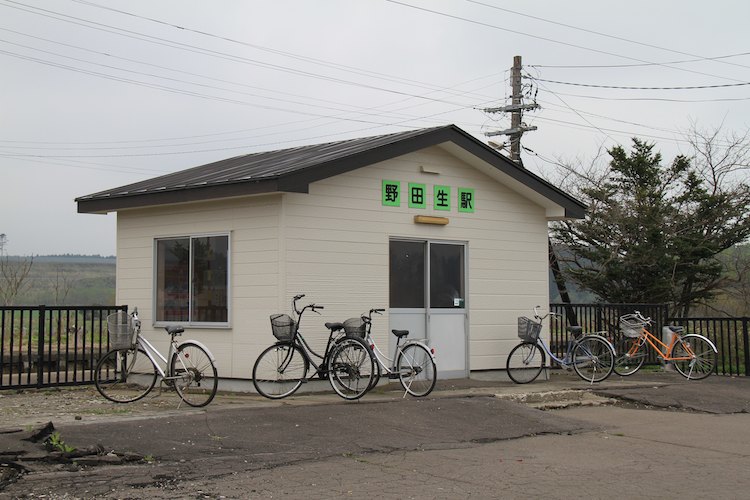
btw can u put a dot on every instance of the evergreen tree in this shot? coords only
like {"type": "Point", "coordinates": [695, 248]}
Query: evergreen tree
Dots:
{"type": "Point", "coordinates": [652, 233]}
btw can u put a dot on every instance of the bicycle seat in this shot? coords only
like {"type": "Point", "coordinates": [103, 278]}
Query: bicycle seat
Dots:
{"type": "Point", "coordinates": [400, 333]}
{"type": "Point", "coordinates": [335, 326]}
{"type": "Point", "coordinates": [174, 330]}
{"type": "Point", "coordinates": [575, 330]}
{"type": "Point", "coordinates": [676, 329]}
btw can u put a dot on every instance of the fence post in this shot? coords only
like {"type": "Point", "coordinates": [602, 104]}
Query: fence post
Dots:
{"type": "Point", "coordinates": [40, 347]}
{"type": "Point", "coordinates": [746, 345]}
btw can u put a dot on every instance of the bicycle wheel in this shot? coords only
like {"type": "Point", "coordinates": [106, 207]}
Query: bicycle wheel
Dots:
{"type": "Point", "coordinates": [525, 362]}
{"type": "Point", "coordinates": [377, 373]}
{"type": "Point", "coordinates": [416, 370]}
{"type": "Point", "coordinates": [351, 368]}
{"type": "Point", "coordinates": [125, 375]}
{"type": "Point", "coordinates": [593, 358]}
{"type": "Point", "coordinates": [194, 373]}
{"type": "Point", "coordinates": [630, 354]}
{"type": "Point", "coordinates": [698, 357]}
{"type": "Point", "coordinates": [279, 371]}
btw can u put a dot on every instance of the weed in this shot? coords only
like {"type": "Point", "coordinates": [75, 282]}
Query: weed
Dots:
{"type": "Point", "coordinates": [56, 442]}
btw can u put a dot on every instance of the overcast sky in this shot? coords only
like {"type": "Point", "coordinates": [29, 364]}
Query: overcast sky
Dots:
{"type": "Point", "coordinates": [101, 93]}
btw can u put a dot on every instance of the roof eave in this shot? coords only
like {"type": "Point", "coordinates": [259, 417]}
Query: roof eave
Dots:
{"type": "Point", "coordinates": [184, 195]}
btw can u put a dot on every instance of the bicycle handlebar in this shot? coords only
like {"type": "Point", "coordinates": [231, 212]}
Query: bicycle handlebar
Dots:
{"type": "Point", "coordinates": [367, 318]}
{"type": "Point", "coordinates": [642, 318]}
{"type": "Point", "coordinates": [536, 313]}
{"type": "Point", "coordinates": [313, 307]}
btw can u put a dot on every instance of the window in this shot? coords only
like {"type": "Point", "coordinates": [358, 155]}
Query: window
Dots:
{"type": "Point", "coordinates": [192, 279]}
{"type": "Point", "coordinates": [407, 274]}
{"type": "Point", "coordinates": [446, 276]}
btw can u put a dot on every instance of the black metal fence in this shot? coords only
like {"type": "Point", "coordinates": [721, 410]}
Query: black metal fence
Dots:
{"type": "Point", "coordinates": [730, 335]}
{"type": "Point", "coordinates": [51, 345]}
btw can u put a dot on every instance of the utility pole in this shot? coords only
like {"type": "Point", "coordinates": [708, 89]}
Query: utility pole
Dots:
{"type": "Point", "coordinates": [516, 109]}
{"type": "Point", "coordinates": [516, 130]}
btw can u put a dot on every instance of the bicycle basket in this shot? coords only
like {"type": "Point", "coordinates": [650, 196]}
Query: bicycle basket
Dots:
{"type": "Point", "coordinates": [631, 325]}
{"type": "Point", "coordinates": [355, 326]}
{"type": "Point", "coordinates": [528, 330]}
{"type": "Point", "coordinates": [282, 326]}
{"type": "Point", "coordinates": [121, 332]}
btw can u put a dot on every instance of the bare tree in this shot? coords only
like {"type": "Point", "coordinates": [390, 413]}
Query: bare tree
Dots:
{"type": "Point", "coordinates": [13, 274]}
{"type": "Point", "coordinates": [61, 284]}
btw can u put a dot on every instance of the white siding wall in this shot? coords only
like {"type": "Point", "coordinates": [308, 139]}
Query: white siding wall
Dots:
{"type": "Point", "coordinates": [332, 244]}
{"type": "Point", "coordinates": [253, 224]}
{"type": "Point", "coordinates": [337, 247]}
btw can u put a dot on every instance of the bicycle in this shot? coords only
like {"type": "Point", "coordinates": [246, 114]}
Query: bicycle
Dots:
{"type": "Point", "coordinates": [414, 365]}
{"type": "Point", "coordinates": [129, 370]}
{"type": "Point", "coordinates": [591, 356]}
{"type": "Point", "coordinates": [282, 368]}
{"type": "Point", "coordinates": [693, 355]}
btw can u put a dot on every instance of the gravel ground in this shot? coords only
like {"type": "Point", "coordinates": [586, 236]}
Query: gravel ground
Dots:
{"type": "Point", "coordinates": [31, 407]}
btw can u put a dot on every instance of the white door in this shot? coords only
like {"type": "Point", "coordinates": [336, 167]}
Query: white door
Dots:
{"type": "Point", "coordinates": [428, 298]}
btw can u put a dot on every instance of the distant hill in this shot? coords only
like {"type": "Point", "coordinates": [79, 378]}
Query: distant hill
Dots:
{"type": "Point", "coordinates": [69, 259]}
{"type": "Point", "coordinates": [81, 280]}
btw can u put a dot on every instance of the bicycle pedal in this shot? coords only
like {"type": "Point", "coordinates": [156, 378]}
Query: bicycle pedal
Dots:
{"type": "Point", "coordinates": [393, 376]}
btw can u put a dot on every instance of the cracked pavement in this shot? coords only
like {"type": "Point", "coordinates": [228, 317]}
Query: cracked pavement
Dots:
{"type": "Point", "coordinates": [461, 441]}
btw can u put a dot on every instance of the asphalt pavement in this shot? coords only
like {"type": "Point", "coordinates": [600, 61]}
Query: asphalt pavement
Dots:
{"type": "Point", "coordinates": [241, 443]}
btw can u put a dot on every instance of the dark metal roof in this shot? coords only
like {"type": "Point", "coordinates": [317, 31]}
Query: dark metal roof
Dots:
{"type": "Point", "coordinates": [292, 170]}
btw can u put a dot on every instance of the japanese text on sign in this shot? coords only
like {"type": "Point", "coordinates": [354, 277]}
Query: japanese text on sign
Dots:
{"type": "Point", "coordinates": [416, 196]}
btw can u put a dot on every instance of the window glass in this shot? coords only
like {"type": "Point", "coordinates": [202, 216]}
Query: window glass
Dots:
{"type": "Point", "coordinates": [446, 276]}
{"type": "Point", "coordinates": [210, 279]}
{"type": "Point", "coordinates": [172, 279]}
{"type": "Point", "coordinates": [407, 274]}
{"type": "Point", "coordinates": [192, 279]}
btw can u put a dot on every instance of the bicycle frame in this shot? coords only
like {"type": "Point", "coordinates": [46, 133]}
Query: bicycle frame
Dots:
{"type": "Point", "coordinates": [390, 366]}
{"type": "Point", "coordinates": [153, 353]}
{"type": "Point", "coordinates": [308, 352]}
{"type": "Point", "coordinates": [566, 361]}
{"type": "Point", "coordinates": [648, 337]}
{"type": "Point", "coordinates": [158, 359]}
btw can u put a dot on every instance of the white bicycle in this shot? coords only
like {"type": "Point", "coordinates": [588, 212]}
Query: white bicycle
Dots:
{"type": "Point", "coordinates": [129, 370]}
{"type": "Point", "coordinates": [414, 363]}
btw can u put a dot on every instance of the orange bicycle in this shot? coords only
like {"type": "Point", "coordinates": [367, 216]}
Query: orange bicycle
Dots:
{"type": "Point", "coordinates": [693, 355]}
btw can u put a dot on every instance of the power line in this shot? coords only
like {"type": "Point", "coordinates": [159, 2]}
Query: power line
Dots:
{"type": "Point", "coordinates": [622, 87]}
{"type": "Point", "coordinates": [546, 39]}
{"type": "Point", "coordinates": [598, 33]}
{"type": "Point", "coordinates": [195, 49]}
{"type": "Point", "coordinates": [292, 55]}
{"type": "Point", "coordinates": [656, 99]}
{"type": "Point", "coordinates": [189, 92]}
{"type": "Point", "coordinates": [640, 65]}
{"type": "Point", "coordinates": [614, 131]}
{"type": "Point", "coordinates": [567, 108]}
{"type": "Point", "coordinates": [579, 114]}
{"type": "Point", "coordinates": [181, 91]}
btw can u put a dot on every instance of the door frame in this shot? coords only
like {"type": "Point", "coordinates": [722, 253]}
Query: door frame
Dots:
{"type": "Point", "coordinates": [429, 313]}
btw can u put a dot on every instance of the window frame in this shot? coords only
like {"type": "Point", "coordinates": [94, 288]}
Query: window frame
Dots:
{"type": "Point", "coordinates": [192, 324]}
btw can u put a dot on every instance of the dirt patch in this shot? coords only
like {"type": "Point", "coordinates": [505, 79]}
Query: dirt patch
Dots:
{"type": "Point", "coordinates": [33, 407]}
